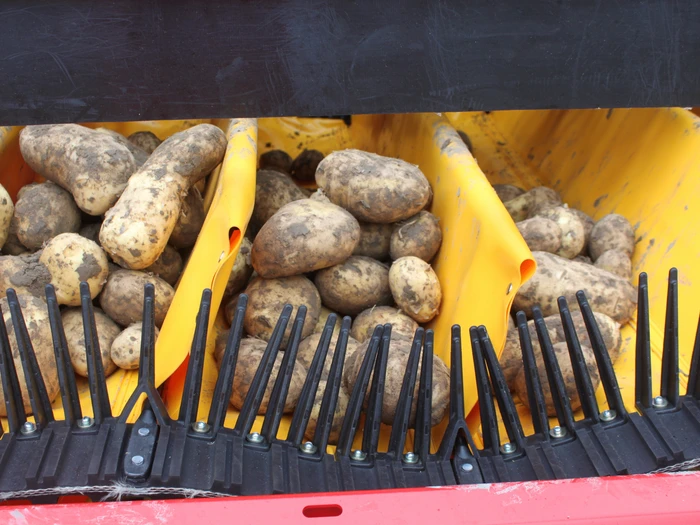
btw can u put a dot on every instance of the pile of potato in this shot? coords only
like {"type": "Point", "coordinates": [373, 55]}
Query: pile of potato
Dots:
{"type": "Point", "coordinates": [573, 252]}
{"type": "Point", "coordinates": [115, 212]}
{"type": "Point", "coordinates": [359, 246]}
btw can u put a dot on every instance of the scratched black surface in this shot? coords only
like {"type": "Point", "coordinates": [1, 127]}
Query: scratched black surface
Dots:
{"type": "Point", "coordinates": [74, 60]}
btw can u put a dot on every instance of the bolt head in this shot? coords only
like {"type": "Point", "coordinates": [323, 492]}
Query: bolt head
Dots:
{"type": "Point", "coordinates": [557, 432]}
{"type": "Point", "coordinates": [200, 427]}
{"type": "Point", "coordinates": [608, 415]}
{"type": "Point", "coordinates": [308, 447]}
{"type": "Point", "coordinates": [660, 402]}
{"type": "Point", "coordinates": [85, 422]}
{"type": "Point", "coordinates": [143, 431]}
{"type": "Point", "coordinates": [467, 467]}
{"type": "Point", "coordinates": [508, 448]}
{"type": "Point", "coordinates": [28, 428]}
{"type": "Point", "coordinates": [358, 455]}
{"type": "Point", "coordinates": [137, 460]}
{"type": "Point", "coordinates": [410, 458]}
{"type": "Point", "coordinates": [255, 437]}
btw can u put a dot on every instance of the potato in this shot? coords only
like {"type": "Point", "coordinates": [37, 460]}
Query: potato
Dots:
{"type": "Point", "coordinates": [399, 350]}
{"type": "Point", "coordinates": [190, 222]}
{"type": "Point", "coordinates": [91, 232]}
{"type": "Point", "coordinates": [91, 165]}
{"type": "Point", "coordinates": [318, 195]}
{"type": "Point", "coordinates": [309, 345]}
{"type": "Point", "coordinates": [107, 331]}
{"type": "Point", "coordinates": [371, 187]}
{"type": "Point", "coordinates": [43, 212]}
{"type": "Point", "coordinates": [273, 189]}
{"type": "Point", "coordinates": [72, 259]}
{"type": "Point", "coordinates": [12, 246]}
{"type": "Point", "coordinates": [24, 273]}
{"type": "Point", "coordinates": [136, 230]}
{"type": "Point", "coordinates": [122, 297]}
{"type": "Point", "coordinates": [416, 288]}
{"type": "Point", "coordinates": [7, 210]}
{"type": "Point", "coordinates": [530, 203]}
{"type": "Point", "coordinates": [612, 232]}
{"type": "Point", "coordinates": [562, 354]}
{"type": "Point", "coordinates": [126, 347]}
{"type": "Point", "coordinates": [507, 192]}
{"type": "Point", "coordinates": [304, 236]}
{"type": "Point", "coordinates": [588, 224]}
{"type": "Point", "coordinates": [583, 259]}
{"type": "Point", "coordinates": [365, 323]}
{"type": "Point", "coordinates": [323, 317]}
{"type": "Point", "coordinates": [573, 237]}
{"type": "Point", "coordinates": [420, 236]}
{"type": "Point", "coordinates": [230, 308]}
{"type": "Point", "coordinates": [617, 262]}
{"type": "Point", "coordinates": [145, 140]}
{"type": "Point", "coordinates": [354, 285]}
{"type": "Point", "coordinates": [556, 276]}
{"type": "Point", "coordinates": [168, 266]}
{"type": "Point", "coordinates": [541, 234]}
{"type": "Point", "coordinates": [304, 166]}
{"type": "Point", "coordinates": [375, 240]}
{"type": "Point", "coordinates": [277, 160]}
{"type": "Point", "coordinates": [511, 359]}
{"type": "Point", "coordinates": [241, 271]}
{"type": "Point", "coordinates": [36, 317]}
{"type": "Point", "coordinates": [341, 408]}
{"type": "Point", "coordinates": [266, 299]}
{"type": "Point", "coordinates": [140, 155]}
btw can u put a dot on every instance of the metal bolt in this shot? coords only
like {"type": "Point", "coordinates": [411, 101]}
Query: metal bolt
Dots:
{"type": "Point", "coordinates": [308, 448]}
{"type": "Point", "coordinates": [660, 402]}
{"type": "Point", "coordinates": [557, 432]}
{"type": "Point", "coordinates": [28, 428]}
{"type": "Point", "coordinates": [508, 448]}
{"type": "Point", "coordinates": [467, 467]}
{"type": "Point", "coordinates": [255, 438]}
{"type": "Point", "coordinates": [85, 422]}
{"type": "Point", "coordinates": [143, 431]}
{"type": "Point", "coordinates": [410, 458]}
{"type": "Point", "coordinates": [137, 460]}
{"type": "Point", "coordinates": [608, 415]}
{"type": "Point", "coordinates": [201, 427]}
{"type": "Point", "coordinates": [358, 455]}
{"type": "Point", "coordinates": [510, 288]}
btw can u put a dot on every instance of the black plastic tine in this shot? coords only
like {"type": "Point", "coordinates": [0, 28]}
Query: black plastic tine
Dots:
{"type": "Point", "coordinates": [96, 376]}
{"type": "Point", "coordinates": [402, 416]}
{"type": "Point", "coordinates": [669, 360]}
{"type": "Point", "coordinates": [256, 392]}
{"type": "Point", "coordinates": [38, 397]}
{"type": "Point", "coordinates": [195, 366]}
{"type": "Point", "coordinates": [421, 437]}
{"type": "Point", "coordinates": [14, 407]}
{"type": "Point", "coordinates": [357, 398]}
{"type": "Point", "coordinates": [509, 414]}
{"type": "Point", "coordinates": [302, 412]}
{"type": "Point", "coordinates": [333, 384]}
{"type": "Point", "coordinates": [584, 385]}
{"type": "Point", "coordinates": [602, 357]}
{"type": "Point", "coordinates": [560, 399]}
{"type": "Point", "coordinates": [224, 382]}
{"type": "Point", "coordinates": [535, 396]}
{"type": "Point", "coordinates": [694, 375]}
{"type": "Point", "coordinates": [487, 410]}
{"type": "Point", "coordinates": [373, 417]}
{"type": "Point", "coordinates": [66, 375]}
{"type": "Point", "coordinates": [275, 408]}
{"type": "Point", "coordinates": [642, 369]}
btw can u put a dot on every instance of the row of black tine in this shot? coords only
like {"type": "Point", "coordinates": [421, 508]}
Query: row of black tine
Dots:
{"type": "Point", "coordinates": [196, 450]}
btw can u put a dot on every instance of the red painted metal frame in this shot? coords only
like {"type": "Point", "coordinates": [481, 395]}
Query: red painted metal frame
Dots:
{"type": "Point", "coordinates": [652, 499]}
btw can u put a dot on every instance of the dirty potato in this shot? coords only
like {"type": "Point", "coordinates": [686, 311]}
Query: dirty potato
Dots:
{"type": "Point", "coordinates": [25, 273]}
{"type": "Point", "coordinates": [7, 210]}
{"type": "Point", "coordinates": [190, 222]}
{"type": "Point", "coordinates": [507, 192]}
{"type": "Point", "coordinates": [530, 203]}
{"type": "Point", "coordinates": [107, 331]}
{"type": "Point", "coordinates": [365, 323]}
{"type": "Point", "coordinates": [12, 246]}
{"type": "Point", "coordinates": [126, 347]}
{"type": "Point", "coordinates": [168, 266]}
{"type": "Point", "coordinates": [276, 159]}
{"type": "Point", "coordinates": [273, 189]}
{"type": "Point", "coordinates": [43, 212]}
{"type": "Point", "coordinates": [341, 408]}
{"type": "Point", "coordinates": [511, 359]}
{"type": "Point", "coordinates": [419, 236]}
{"type": "Point", "coordinates": [323, 317]}
{"type": "Point", "coordinates": [541, 234]}
{"type": "Point", "coordinates": [145, 140]}
{"type": "Point", "coordinates": [304, 166]}
{"type": "Point", "coordinates": [588, 224]}
{"type": "Point", "coordinates": [416, 288]}
{"type": "Point", "coordinates": [309, 345]}
{"type": "Point", "coordinates": [122, 296]}
{"type": "Point", "coordinates": [241, 271]}
{"type": "Point", "coordinates": [612, 232]}
{"type": "Point", "coordinates": [573, 237]}
{"type": "Point", "coordinates": [91, 231]}
{"type": "Point", "coordinates": [140, 155]}
{"type": "Point", "coordinates": [617, 262]}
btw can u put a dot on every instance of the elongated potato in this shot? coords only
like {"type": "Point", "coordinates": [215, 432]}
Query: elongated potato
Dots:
{"type": "Point", "coordinates": [304, 166]}
{"type": "Point", "coordinates": [556, 276]}
{"type": "Point", "coordinates": [25, 273]}
{"type": "Point", "coordinates": [573, 236]}
{"type": "Point", "coordinates": [126, 347]}
{"type": "Point", "coordinates": [419, 236]}
{"type": "Point", "coordinates": [136, 230]}
{"type": "Point", "coordinates": [507, 192]}
{"type": "Point", "coordinates": [416, 288]}
{"type": "Point", "coordinates": [140, 155]}
{"type": "Point", "coordinates": [375, 240]}
{"type": "Point", "coordinates": [168, 266]}
{"type": "Point", "coordinates": [276, 159]}
{"type": "Point", "coordinates": [7, 210]}
{"type": "Point", "coordinates": [612, 232]}
{"type": "Point", "coordinates": [190, 221]}
{"type": "Point", "coordinates": [92, 166]}
{"type": "Point", "coordinates": [354, 285]}
{"type": "Point", "coordinates": [531, 202]}
{"type": "Point", "coordinates": [266, 299]}
{"type": "Point", "coordinates": [122, 297]}
{"type": "Point", "coordinates": [541, 234]}
{"type": "Point", "coordinates": [107, 331]}
{"type": "Point", "coordinates": [36, 317]}
{"type": "Point", "coordinates": [145, 140]}
{"type": "Point", "coordinates": [241, 271]}
{"type": "Point", "coordinates": [273, 189]}
{"type": "Point", "coordinates": [617, 262]}
{"type": "Point", "coordinates": [372, 187]}
{"type": "Point", "coordinates": [304, 236]}
{"type": "Point", "coordinates": [364, 324]}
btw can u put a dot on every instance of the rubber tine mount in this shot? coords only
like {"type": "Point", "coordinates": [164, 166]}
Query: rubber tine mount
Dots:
{"type": "Point", "coordinates": [535, 395]}
{"type": "Point", "coordinates": [487, 410]}
{"type": "Point", "coordinates": [584, 386]}
{"type": "Point", "coordinates": [14, 407]}
{"type": "Point", "coordinates": [66, 375]}
{"type": "Point", "coordinates": [275, 408]}
{"type": "Point", "coordinates": [694, 376]}
{"type": "Point", "coordinates": [642, 369]}
{"type": "Point", "coordinates": [373, 419]}
{"type": "Point", "coordinates": [256, 392]}
{"type": "Point", "coordinates": [602, 357]}
{"type": "Point", "coordinates": [96, 376]}
{"type": "Point", "coordinates": [38, 398]}
{"type": "Point", "coordinates": [669, 360]}
{"type": "Point", "coordinates": [402, 416]}
{"type": "Point", "coordinates": [227, 369]}
{"type": "Point", "coordinates": [421, 437]}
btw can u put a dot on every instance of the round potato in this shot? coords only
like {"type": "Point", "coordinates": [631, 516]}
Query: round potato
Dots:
{"type": "Point", "coordinates": [304, 166]}
{"type": "Point", "coordinates": [72, 259]}
{"type": "Point", "coordinates": [190, 222]}
{"type": "Point", "coordinates": [588, 224]}
{"type": "Point", "coordinates": [122, 297]}
{"type": "Point", "coordinates": [511, 359]}
{"type": "Point", "coordinates": [372, 187]}
{"type": "Point", "coordinates": [145, 140]}
{"type": "Point", "coordinates": [541, 234]}
{"type": "Point", "coordinates": [12, 246]}
{"type": "Point", "coordinates": [25, 273]}
{"type": "Point", "coordinates": [341, 408]}
{"type": "Point", "coordinates": [573, 237]}
{"type": "Point", "coordinates": [612, 232]}
{"type": "Point", "coordinates": [36, 317]}
{"type": "Point", "coordinates": [617, 262]}
{"type": "Point", "coordinates": [530, 203]}
{"type": "Point", "coordinates": [276, 159]}
{"type": "Point", "coordinates": [126, 347]}
{"type": "Point", "coordinates": [365, 323]}
{"type": "Point", "coordinates": [168, 266]}
{"type": "Point", "coordinates": [7, 210]}
{"type": "Point", "coordinates": [354, 285]}
{"type": "Point", "coordinates": [273, 189]}
{"type": "Point", "coordinates": [420, 236]}
{"type": "Point", "coordinates": [507, 192]}
{"type": "Point", "coordinates": [375, 240]}
{"type": "Point", "coordinates": [107, 331]}
{"type": "Point", "coordinates": [309, 345]}
{"type": "Point", "coordinates": [416, 288]}
{"type": "Point", "coordinates": [241, 271]}
{"type": "Point", "coordinates": [266, 299]}
{"type": "Point", "coordinates": [323, 317]}
{"type": "Point", "coordinates": [304, 236]}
